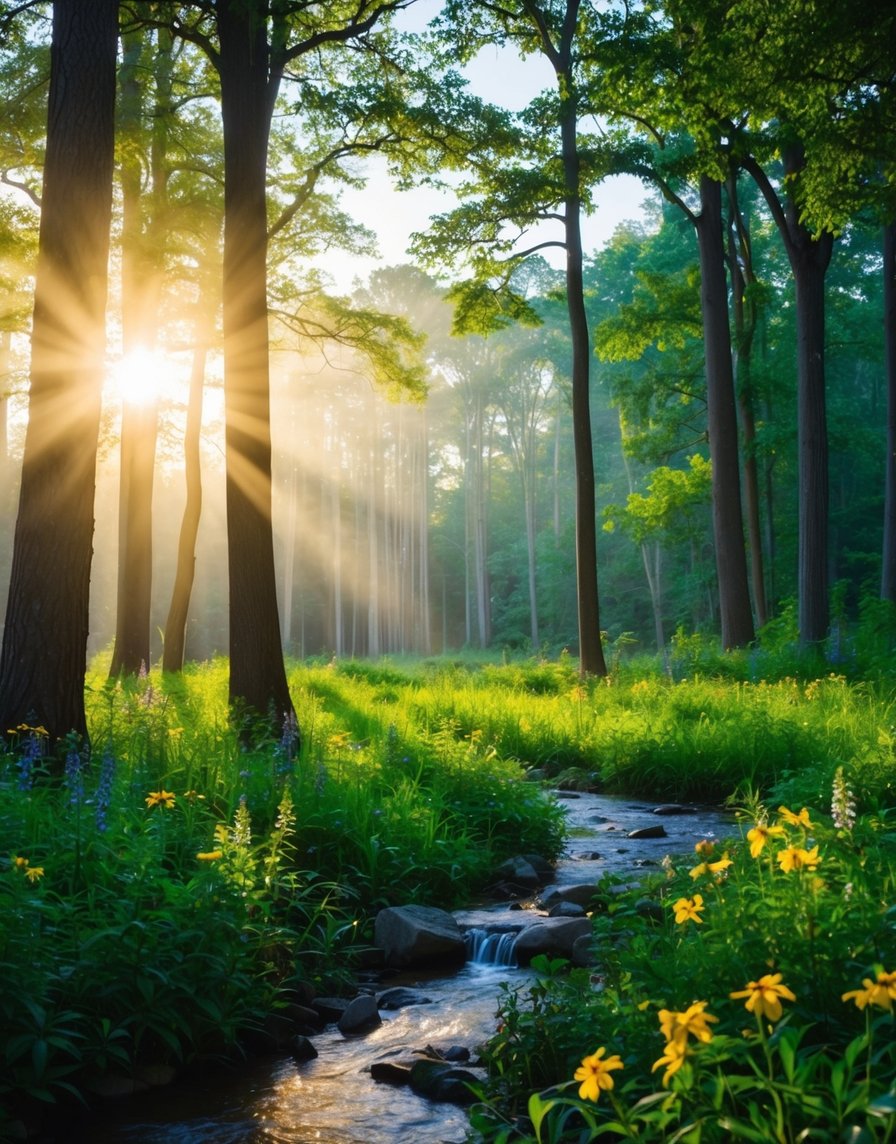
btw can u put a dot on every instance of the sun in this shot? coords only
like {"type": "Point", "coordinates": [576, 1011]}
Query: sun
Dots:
{"type": "Point", "coordinates": [143, 377]}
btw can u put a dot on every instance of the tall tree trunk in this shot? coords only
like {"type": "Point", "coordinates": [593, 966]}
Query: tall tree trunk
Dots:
{"type": "Point", "coordinates": [139, 413]}
{"type": "Point", "coordinates": [809, 267]}
{"type": "Point", "coordinates": [809, 258]}
{"type": "Point", "coordinates": [740, 262]}
{"type": "Point", "coordinates": [731, 562]}
{"type": "Point", "coordinates": [257, 671]}
{"type": "Point", "coordinates": [888, 574]}
{"type": "Point", "coordinates": [43, 658]}
{"type": "Point", "coordinates": [174, 649]}
{"type": "Point", "coordinates": [591, 654]}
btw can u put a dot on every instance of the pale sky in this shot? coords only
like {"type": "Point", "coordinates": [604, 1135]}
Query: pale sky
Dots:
{"type": "Point", "coordinates": [498, 76]}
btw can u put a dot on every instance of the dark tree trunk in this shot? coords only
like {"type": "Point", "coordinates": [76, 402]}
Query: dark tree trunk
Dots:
{"type": "Point", "coordinates": [731, 561]}
{"type": "Point", "coordinates": [888, 574]}
{"type": "Point", "coordinates": [257, 672]}
{"type": "Point", "coordinates": [43, 659]}
{"type": "Point", "coordinates": [810, 263]}
{"type": "Point", "coordinates": [809, 258]}
{"type": "Point", "coordinates": [740, 262]}
{"type": "Point", "coordinates": [591, 654]}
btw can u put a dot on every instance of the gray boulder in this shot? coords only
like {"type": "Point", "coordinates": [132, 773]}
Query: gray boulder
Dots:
{"type": "Point", "coordinates": [419, 935]}
{"type": "Point", "coordinates": [552, 936]}
{"type": "Point", "coordinates": [360, 1016]}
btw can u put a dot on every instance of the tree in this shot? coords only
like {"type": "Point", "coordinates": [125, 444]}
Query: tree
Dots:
{"type": "Point", "coordinates": [251, 45]}
{"type": "Point", "coordinates": [43, 657]}
{"type": "Point", "coordinates": [530, 176]}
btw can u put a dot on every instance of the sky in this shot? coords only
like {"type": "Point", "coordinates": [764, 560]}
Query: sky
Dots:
{"type": "Point", "coordinates": [498, 76]}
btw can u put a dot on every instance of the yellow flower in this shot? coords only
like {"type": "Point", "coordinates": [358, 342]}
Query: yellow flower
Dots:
{"type": "Point", "coordinates": [796, 858]}
{"type": "Point", "coordinates": [880, 992]}
{"type": "Point", "coordinates": [760, 835]}
{"type": "Point", "coordinates": [712, 867]}
{"type": "Point", "coordinates": [160, 798]}
{"type": "Point", "coordinates": [34, 873]}
{"type": "Point", "coordinates": [688, 909]}
{"type": "Point", "coordinates": [705, 847]}
{"type": "Point", "coordinates": [193, 795]}
{"type": "Point", "coordinates": [20, 863]}
{"type": "Point", "coordinates": [210, 855]}
{"type": "Point", "coordinates": [764, 996]}
{"type": "Point", "coordinates": [676, 1026]}
{"type": "Point", "coordinates": [673, 1058]}
{"type": "Point", "coordinates": [801, 819]}
{"type": "Point", "coordinates": [594, 1074]}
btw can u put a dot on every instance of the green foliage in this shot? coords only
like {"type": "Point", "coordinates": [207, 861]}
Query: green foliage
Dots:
{"type": "Point", "coordinates": [791, 919]}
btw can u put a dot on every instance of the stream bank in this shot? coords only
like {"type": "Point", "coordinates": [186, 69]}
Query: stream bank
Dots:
{"type": "Point", "coordinates": [333, 1099]}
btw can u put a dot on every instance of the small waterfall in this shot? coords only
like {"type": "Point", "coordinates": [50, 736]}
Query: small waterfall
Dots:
{"type": "Point", "coordinates": [485, 947]}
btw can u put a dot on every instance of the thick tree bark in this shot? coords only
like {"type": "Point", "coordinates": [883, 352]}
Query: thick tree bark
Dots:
{"type": "Point", "coordinates": [888, 573]}
{"type": "Point", "coordinates": [257, 673]}
{"type": "Point", "coordinates": [43, 659]}
{"type": "Point", "coordinates": [728, 532]}
{"type": "Point", "coordinates": [810, 263]}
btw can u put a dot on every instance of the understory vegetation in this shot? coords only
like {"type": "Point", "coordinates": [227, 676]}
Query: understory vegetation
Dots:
{"type": "Point", "coordinates": [162, 897]}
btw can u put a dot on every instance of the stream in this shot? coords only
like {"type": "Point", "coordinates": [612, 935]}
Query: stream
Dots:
{"type": "Point", "coordinates": [333, 1099]}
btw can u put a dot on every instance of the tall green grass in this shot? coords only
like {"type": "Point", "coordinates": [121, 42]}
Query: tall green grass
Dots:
{"type": "Point", "coordinates": [139, 928]}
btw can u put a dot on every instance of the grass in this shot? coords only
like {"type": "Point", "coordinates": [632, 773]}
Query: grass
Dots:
{"type": "Point", "coordinates": [164, 896]}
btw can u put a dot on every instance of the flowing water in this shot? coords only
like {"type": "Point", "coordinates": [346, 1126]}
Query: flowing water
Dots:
{"type": "Point", "coordinates": [333, 1099]}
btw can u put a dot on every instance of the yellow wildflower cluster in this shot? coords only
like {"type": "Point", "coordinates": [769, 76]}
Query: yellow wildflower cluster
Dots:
{"type": "Point", "coordinates": [791, 857]}
{"type": "Point", "coordinates": [880, 992]}
{"type": "Point", "coordinates": [706, 850]}
{"type": "Point", "coordinates": [32, 873]}
{"type": "Point", "coordinates": [676, 1027]}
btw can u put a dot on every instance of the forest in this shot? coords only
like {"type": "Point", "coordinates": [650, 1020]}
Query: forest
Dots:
{"type": "Point", "coordinates": [329, 576]}
{"type": "Point", "coordinates": [511, 442]}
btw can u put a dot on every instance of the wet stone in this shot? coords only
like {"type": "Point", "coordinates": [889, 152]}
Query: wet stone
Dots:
{"type": "Point", "coordinates": [674, 808]}
{"type": "Point", "coordinates": [648, 832]}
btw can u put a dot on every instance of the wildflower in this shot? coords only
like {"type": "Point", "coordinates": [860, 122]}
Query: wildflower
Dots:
{"type": "Point", "coordinates": [104, 789]}
{"type": "Point", "coordinates": [801, 819]}
{"type": "Point", "coordinates": [673, 1058]}
{"type": "Point", "coordinates": [193, 796]}
{"type": "Point", "coordinates": [716, 867]}
{"type": "Point", "coordinates": [241, 834]}
{"type": "Point", "coordinates": [160, 798]}
{"type": "Point", "coordinates": [73, 776]}
{"type": "Point", "coordinates": [880, 992]}
{"type": "Point", "coordinates": [287, 749]}
{"type": "Point", "coordinates": [677, 1026]}
{"type": "Point", "coordinates": [764, 996]}
{"type": "Point", "coordinates": [688, 909]}
{"type": "Point", "coordinates": [843, 803]}
{"type": "Point", "coordinates": [32, 873]}
{"type": "Point", "coordinates": [31, 752]}
{"type": "Point", "coordinates": [594, 1073]}
{"type": "Point", "coordinates": [705, 848]}
{"type": "Point", "coordinates": [760, 835]}
{"type": "Point", "coordinates": [210, 855]}
{"type": "Point", "coordinates": [797, 858]}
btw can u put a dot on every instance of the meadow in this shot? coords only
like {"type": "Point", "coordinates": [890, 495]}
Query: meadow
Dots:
{"type": "Point", "coordinates": [165, 895]}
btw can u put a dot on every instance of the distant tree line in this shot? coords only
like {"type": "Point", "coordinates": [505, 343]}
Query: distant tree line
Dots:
{"type": "Point", "coordinates": [709, 402]}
